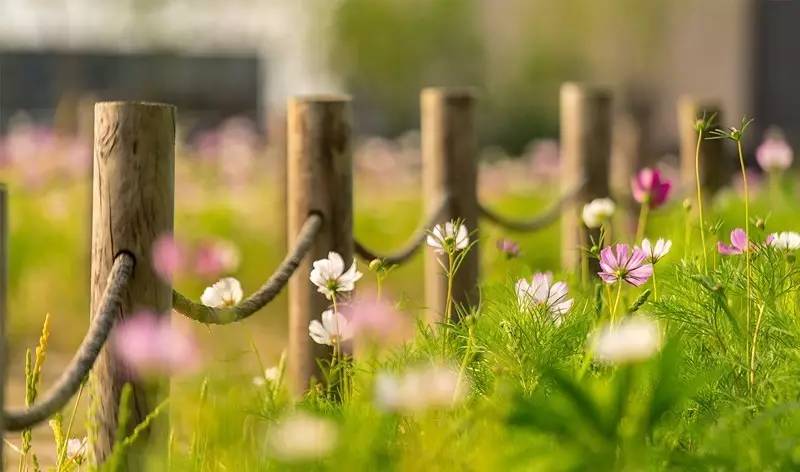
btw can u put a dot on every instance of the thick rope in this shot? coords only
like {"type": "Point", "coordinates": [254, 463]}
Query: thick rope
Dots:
{"type": "Point", "coordinates": [543, 220]}
{"type": "Point", "coordinates": [271, 288]}
{"type": "Point", "coordinates": [416, 241]}
{"type": "Point", "coordinates": [70, 381]}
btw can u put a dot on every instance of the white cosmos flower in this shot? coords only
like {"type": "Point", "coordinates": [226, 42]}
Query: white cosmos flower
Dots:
{"type": "Point", "coordinates": [419, 389]}
{"type": "Point", "coordinates": [76, 449]}
{"type": "Point", "coordinates": [330, 276]}
{"type": "Point", "coordinates": [302, 437]}
{"type": "Point", "coordinates": [788, 240]}
{"type": "Point", "coordinates": [597, 212]}
{"type": "Point", "coordinates": [656, 251]}
{"type": "Point", "coordinates": [334, 329]}
{"type": "Point", "coordinates": [541, 291]}
{"type": "Point", "coordinates": [271, 375]}
{"type": "Point", "coordinates": [452, 236]}
{"type": "Point", "coordinates": [632, 339]}
{"type": "Point", "coordinates": [225, 293]}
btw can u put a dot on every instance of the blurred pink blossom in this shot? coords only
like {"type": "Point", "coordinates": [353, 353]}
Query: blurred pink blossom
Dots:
{"type": "Point", "coordinates": [376, 320]}
{"type": "Point", "coordinates": [150, 346]}
{"type": "Point", "coordinates": [774, 153]}
{"type": "Point", "coordinates": [169, 257]}
{"type": "Point", "coordinates": [216, 258]}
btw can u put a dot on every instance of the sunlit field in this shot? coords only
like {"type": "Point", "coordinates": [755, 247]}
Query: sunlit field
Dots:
{"type": "Point", "coordinates": [679, 355]}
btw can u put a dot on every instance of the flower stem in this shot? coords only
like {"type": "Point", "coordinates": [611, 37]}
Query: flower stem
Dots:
{"type": "Point", "coordinates": [645, 209]}
{"type": "Point", "coordinates": [746, 233]}
{"type": "Point", "coordinates": [616, 302]}
{"type": "Point", "coordinates": [448, 300]}
{"type": "Point", "coordinates": [752, 376]}
{"type": "Point", "coordinates": [700, 200]}
{"type": "Point", "coordinates": [655, 285]}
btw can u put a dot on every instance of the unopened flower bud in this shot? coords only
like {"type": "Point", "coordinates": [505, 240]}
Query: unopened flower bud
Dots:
{"type": "Point", "coordinates": [687, 204]}
{"type": "Point", "coordinates": [375, 265]}
{"type": "Point", "coordinates": [760, 223]}
{"type": "Point", "coordinates": [594, 250]}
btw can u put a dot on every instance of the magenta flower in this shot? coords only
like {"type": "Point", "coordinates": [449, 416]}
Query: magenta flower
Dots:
{"type": "Point", "coordinates": [150, 346]}
{"type": "Point", "coordinates": [508, 247]}
{"type": "Point", "coordinates": [650, 187]}
{"type": "Point", "coordinates": [168, 257]}
{"type": "Point", "coordinates": [739, 243]}
{"type": "Point", "coordinates": [620, 263]}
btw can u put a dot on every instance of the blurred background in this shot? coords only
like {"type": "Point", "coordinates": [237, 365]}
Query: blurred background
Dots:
{"type": "Point", "coordinates": [230, 65]}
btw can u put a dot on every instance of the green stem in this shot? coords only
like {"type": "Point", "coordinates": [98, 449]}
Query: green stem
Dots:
{"type": "Point", "coordinates": [448, 301]}
{"type": "Point", "coordinates": [616, 302]}
{"type": "Point", "coordinates": [700, 199]}
{"type": "Point", "coordinates": [645, 209]}
{"type": "Point", "coordinates": [746, 234]}
{"type": "Point", "coordinates": [655, 286]}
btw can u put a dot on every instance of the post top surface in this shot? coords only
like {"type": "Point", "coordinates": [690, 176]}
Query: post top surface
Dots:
{"type": "Point", "coordinates": [586, 89]}
{"type": "Point", "coordinates": [134, 103]}
{"type": "Point", "coordinates": [450, 92]}
{"type": "Point", "coordinates": [321, 98]}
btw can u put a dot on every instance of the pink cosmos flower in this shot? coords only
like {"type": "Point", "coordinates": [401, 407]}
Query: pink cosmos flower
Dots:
{"type": "Point", "coordinates": [377, 320]}
{"type": "Point", "coordinates": [774, 153]}
{"type": "Point", "coordinates": [650, 187]}
{"type": "Point", "coordinates": [618, 262]}
{"type": "Point", "coordinates": [150, 346]}
{"type": "Point", "coordinates": [216, 258]}
{"type": "Point", "coordinates": [739, 243]}
{"type": "Point", "coordinates": [508, 247]}
{"type": "Point", "coordinates": [168, 257]}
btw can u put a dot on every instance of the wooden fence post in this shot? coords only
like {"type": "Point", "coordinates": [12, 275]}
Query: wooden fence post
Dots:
{"type": "Point", "coordinates": [449, 167]}
{"type": "Point", "coordinates": [320, 179]}
{"type": "Point", "coordinates": [3, 309]}
{"type": "Point", "coordinates": [715, 170]}
{"type": "Point", "coordinates": [585, 157]}
{"type": "Point", "coordinates": [132, 205]}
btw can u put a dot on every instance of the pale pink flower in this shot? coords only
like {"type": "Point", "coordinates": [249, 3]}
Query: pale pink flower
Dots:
{"type": "Point", "coordinates": [149, 345]}
{"type": "Point", "coordinates": [225, 293]}
{"type": "Point", "coordinates": [788, 240]}
{"type": "Point", "coordinates": [449, 237]}
{"type": "Point", "coordinates": [655, 252]}
{"type": "Point", "coordinates": [739, 243]}
{"type": "Point", "coordinates": [774, 153]}
{"type": "Point", "coordinates": [631, 340]}
{"type": "Point", "coordinates": [377, 320]}
{"type": "Point", "coordinates": [650, 187]}
{"type": "Point", "coordinates": [330, 276]}
{"type": "Point", "coordinates": [508, 247]}
{"type": "Point", "coordinates": [420, 388]}
{"type": "Point", "coordinates": [215, 258]}
{"type": "Point", "coordinates": [302, 437]}
{"type": "Point", "coordinates": [168, 257]}
{"type": "Point", "coordinates": [621, 263]}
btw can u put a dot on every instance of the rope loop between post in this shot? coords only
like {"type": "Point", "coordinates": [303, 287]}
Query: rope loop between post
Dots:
{"type": "Point", "coordinates": [73, 376]}
{"type": "Point", "coordinates": [265, 294]}
{"type": "Point", "coordinates": [538, 222]}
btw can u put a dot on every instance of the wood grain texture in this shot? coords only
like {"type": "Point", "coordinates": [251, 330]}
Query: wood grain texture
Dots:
{"type": "Point", "coordinates": [132, 204]}
{"type": "Point", "coordinates": [585, 155]}
{"type": "Point", "coordinates": [715, 170]}
{"type": "Point", "coordinates": [320, 179]}
{"type": "Point", "coordinates": [449, 167]}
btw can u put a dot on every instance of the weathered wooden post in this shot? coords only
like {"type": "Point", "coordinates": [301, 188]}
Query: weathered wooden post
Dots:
{"type": "Point", "coordinates": [715, 170]}
{"type": "Point", "coordinates": [132, 204]}
{"type": "Point", "coordinates": [3, 308]}
{"type": "Point", "coordinates": [320, 179]}
{"type": "Point", "coordinates": [585, 155]}
{"type": "Point", "coordinates": [449, 168]}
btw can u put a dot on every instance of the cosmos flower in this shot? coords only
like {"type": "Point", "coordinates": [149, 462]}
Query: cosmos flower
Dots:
{"type": "Point", "coordinates": [788, 240]}
{"type": "Point", "coordinates": [331, 278]}
{"type": "Point", "coordinates": [76, 450]}
{"type": "Point", "coordinates": [597, 212]}
{"type": "Point", "coordinates": [302, 437]}
{"type": "Point", "coordinates": [650, 187]}
{"type": "Point", "coordinates": [774, 154]}
{"type": "Point", "coordinates": [333, 330]}
{"type": "Point", "coordinates": [739, 243]}
{"type": "Point", "coordinates": [541, 291]}
{"type": "Point", "coordinates": [373, 319]}
{"type": "Point", "coordinates": [508, 247]}
{"type": "Point", "coordinates": [225, 293]}
{"type": "Point", "coordinates": [448, 238]}
{"type": "Point", "coordinates": [621, 263]}
{"type": "Point", "coordinates": [655, 252]}
{"type": "Point", "coordinates": [271, 375]}
{"type": "Point", "coordinates": [215, 258]}
{"type": "Point", "coordinates": [631, 340]}
{"type": "Point", "coordinates": [151, 346]}
{"type": "Point", "coordinates": [168, 257]}
{"type": "Point", "coordinates": [419, 389]}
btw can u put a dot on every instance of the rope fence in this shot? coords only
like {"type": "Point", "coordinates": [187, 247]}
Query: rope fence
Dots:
{"type": "Point", "coordinates": [134, 149]}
